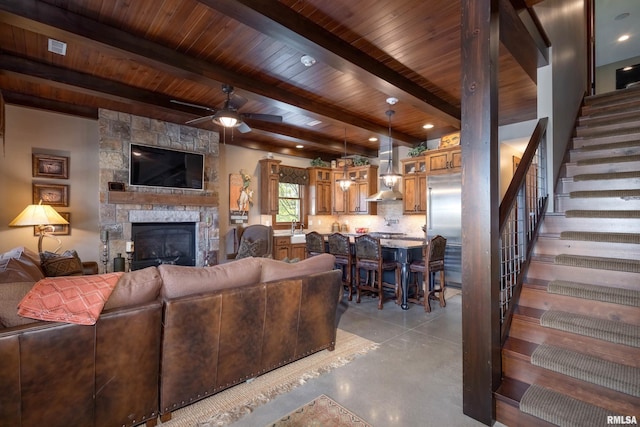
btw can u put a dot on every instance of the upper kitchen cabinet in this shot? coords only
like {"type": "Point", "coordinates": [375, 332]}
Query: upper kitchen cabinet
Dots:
{"type": "Point", "coordinates": [364, 181]}
{"type": "Point", "coordinates": [269, 180]}
{"type": "Point", "coordinates": [319, 194]}
{"type": "Point", "coordinates": [414, 185]}
{"type": "Point", "coordinates": [443, 160]}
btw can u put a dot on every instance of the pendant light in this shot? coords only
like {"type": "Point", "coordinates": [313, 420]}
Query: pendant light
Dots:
{"type": "Point", "coordinates": [345, 182]}
{"type": "Point", "coordinates": [390, 178]}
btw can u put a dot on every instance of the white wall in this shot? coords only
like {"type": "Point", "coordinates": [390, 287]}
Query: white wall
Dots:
{"type": "Point", "coordinates": [28, 131]}
{"type": "Point", "coordinates": [606, 74]}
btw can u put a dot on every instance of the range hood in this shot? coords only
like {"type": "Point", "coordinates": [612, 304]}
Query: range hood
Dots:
{"type": "Point", "coordinates": [385, 195]}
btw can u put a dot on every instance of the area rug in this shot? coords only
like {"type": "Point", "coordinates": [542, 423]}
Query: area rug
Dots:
{"type": "Point", "coordinates": [230, 405]}
{"type": "Point", "coordinates": [321, 412]}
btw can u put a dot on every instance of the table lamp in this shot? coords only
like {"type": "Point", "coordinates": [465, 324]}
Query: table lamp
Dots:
{"type": "Point", "coordinates": [42, 216]}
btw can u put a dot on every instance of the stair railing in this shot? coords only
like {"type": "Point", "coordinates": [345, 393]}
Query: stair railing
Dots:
{"type": "Point", "coordinates": [521, 212]}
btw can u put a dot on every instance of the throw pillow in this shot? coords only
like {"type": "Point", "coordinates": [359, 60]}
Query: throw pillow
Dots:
{"type": "Point", "coordinates": [10, 296]}
{"type": "Point", "coordinates": [19, 270]}
{"type": "Point", "coordinates": [179, 280]}
{"type": "Point", "coordinates": [136, 287]}
{"type": "Point", "coordinates": [77, 300]}
{"type": "Point", "coordinates": [66, 264]}
{"type": "Point", "coordinates": [278, 270]}
{"type": "Point", "coordinates": [248, 248]}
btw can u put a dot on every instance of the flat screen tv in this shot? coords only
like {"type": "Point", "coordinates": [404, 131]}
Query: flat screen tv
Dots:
{"type": "Point", "coordinates": [162, 167]}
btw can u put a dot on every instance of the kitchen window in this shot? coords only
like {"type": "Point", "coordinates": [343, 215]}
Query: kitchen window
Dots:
{"type": "Point", "coordinates": [290, 203]}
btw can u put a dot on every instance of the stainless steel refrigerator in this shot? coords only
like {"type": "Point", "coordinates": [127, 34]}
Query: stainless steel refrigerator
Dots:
{"type": "Point", "coordinates": [444, 217]}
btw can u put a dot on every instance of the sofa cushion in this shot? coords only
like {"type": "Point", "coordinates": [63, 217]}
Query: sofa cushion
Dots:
{"type": "Point", "coordinates": [135, 287]}
{"type": "Point", "coordinates": [277, 270]}
{"type": "Point", "coordinates": [10, 296]}
{"type": "Point", "coordinates": [19, 270]}
{"type": "Point", "coordinates": [77, 300]}
{"type": "Point", "coordinates": [178, 280]}
{"type": "Point", "coordinates": [66, 264]}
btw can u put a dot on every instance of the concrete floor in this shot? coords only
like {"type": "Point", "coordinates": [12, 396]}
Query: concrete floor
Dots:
{"type": "Point", "coordinates": [413, 379]}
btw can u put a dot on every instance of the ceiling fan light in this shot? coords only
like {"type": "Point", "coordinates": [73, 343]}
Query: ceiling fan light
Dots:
{"type": "Point", "coordinates": [227, 118]}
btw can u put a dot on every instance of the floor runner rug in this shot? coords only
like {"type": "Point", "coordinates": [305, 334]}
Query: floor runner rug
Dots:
{"type": "Point", "coordinates": [320, 412]}
{"type": "Point", "coordinates": [230, 405]}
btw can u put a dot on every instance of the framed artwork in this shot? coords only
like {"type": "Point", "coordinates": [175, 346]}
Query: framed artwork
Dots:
{"type": "Point", "coordinates": [450, 140]}
{"type": "Point", "coordinates": [240, 199]}
{"type": "Point", "coordinates": [57, 230]}
{"type": "Point", "coordinates": [51, 194]}
{"type": "Point", "coordinates": [46, 166]}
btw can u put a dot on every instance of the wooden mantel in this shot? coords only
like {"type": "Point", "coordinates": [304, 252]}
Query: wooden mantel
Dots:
{"type": "Point", "coordinates": [132, 197]}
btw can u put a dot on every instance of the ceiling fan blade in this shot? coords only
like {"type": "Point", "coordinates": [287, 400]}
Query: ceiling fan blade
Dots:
{"type": "Point", "coordinates": [263, 117]}
{"type": "Point", "coordinates": [237, 101]}
{"type": "Point", "coordinates": [199, 120]}
{"type": "Point", "coordinates": [188, 104]}
{"type": "Point", "coordinates": [243, 128]}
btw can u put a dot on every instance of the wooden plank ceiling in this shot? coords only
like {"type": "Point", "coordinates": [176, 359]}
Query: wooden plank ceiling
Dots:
{"type": "Point", "coordinates": [140, 56]}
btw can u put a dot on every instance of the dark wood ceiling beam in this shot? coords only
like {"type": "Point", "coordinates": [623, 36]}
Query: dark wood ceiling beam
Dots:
{"type": "Point", "coordinates": [311, 139]}
{"type": "Point", "coordinates": [245, 141]}
{"type": "Point", "coordinates": [58, 23]}
{"type": "Point", "coordinates": [282, 23]}
{"type": "Point", "coordinates": [31, 101]}
{"type": "Point", "coordinates": [519, 42]}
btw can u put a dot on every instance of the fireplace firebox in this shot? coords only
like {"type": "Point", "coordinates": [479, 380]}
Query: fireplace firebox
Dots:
{"type": "Point", "coordinates": [163, 243]}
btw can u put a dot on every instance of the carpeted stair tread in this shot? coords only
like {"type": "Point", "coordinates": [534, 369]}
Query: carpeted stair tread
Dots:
{"type": "Point", "coordinates": [612, 145]}
{"type": "Point", "coordinates": [621, 296]}
{"type": "Point", "coordinates": [622, 378]}
{"type": "Point", "coordinates": [600, 263]}
{"type": "Point", "coordinates": [562, 410]}
{"type": "Point", "coordinates": [615, 159]}
{"type": "Point", "coordinates": [576, 213]}
{"type": "Point", "coordinates": [611, 175]}
{"type": "Point", "coordinates": [592, 236]}
{"type": "Point", "coordinates": [631, 193]}
{"type": "Point", "coordinates": [603, 329]}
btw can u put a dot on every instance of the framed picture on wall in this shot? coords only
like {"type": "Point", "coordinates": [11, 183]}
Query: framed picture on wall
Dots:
{"type": "Point", "coordinates": [57, 230]}
{"type": "Point", "coordinates": [46, 166]}
{"type": "Point", "coordinates": [51, 194]}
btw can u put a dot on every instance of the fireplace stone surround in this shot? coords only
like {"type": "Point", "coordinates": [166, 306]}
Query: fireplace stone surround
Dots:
{"type": "Point", "coordinates": [117, 131]}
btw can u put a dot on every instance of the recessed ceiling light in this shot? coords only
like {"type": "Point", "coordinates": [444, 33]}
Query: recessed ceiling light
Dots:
{"type": "Point", "coordinates": [392, 100]}
{"type": "Point", "coordinates": [623, 38]}
{"type": "Point", "coordinates": [299, 146]}
{"type": "Point", "coordinates": [373, 139]}
{"type": "Point", "coordinates": [313, 123]}
{"type": "Point", "coordinates": [428, 126]}
{"type": "Point", "coordinates": [307, 60]}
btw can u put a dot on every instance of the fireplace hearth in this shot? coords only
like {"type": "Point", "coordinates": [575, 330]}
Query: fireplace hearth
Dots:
{"type": "Point", "coordinates": [163, 243]}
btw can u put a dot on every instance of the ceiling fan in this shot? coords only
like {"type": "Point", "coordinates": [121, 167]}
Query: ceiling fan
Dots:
{"type": "Point", "coordinates": [228, 115]}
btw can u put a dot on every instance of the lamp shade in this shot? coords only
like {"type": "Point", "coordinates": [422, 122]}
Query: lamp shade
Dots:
{"type": "Point", "coordinates": [227, 118]}
{"type": "Point", "coordinates": [38, 215]}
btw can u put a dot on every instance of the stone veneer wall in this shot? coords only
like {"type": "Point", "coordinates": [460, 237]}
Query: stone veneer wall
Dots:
{"type": "Point", "coordinates": [117, 131]}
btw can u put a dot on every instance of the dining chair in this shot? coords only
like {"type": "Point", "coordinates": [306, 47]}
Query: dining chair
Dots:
{"type": "Point", "coordinates": [370, 260]}
{"type": "Point", "coordinates": [432, 262]}
{"type": "Point", "coordinates": [315, 243]}
{"type": "Point", "coordinates": [340, 248]}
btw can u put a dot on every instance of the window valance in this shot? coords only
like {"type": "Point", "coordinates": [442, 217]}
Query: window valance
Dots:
{"type": "Point", "coordinates": [293, 175]}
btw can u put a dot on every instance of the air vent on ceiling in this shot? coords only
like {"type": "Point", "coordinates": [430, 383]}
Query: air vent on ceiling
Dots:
{"type": "Point", "coordinates": [58, 47]}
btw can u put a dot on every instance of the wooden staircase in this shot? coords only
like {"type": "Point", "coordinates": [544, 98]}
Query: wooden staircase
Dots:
{"type": "Point", "coordinates": [609, 128]}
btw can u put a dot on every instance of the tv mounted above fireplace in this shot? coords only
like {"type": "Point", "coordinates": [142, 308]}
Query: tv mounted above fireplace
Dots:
{"type": "Point", "coordinates": [162, 167]}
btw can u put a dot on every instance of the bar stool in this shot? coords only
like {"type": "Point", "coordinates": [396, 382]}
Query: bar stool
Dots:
{"type": "Point", "coordinates": [432, 261]}
{"type": "Point", "coordinates": [369, 258]}
{"type": "Point", "coordinates": [340, 248]}
{"type": "Point", "coordinates": [315, 244]}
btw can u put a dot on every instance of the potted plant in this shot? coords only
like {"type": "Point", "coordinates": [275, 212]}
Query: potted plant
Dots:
{"type": "Point", "coordinates": [417, 151]}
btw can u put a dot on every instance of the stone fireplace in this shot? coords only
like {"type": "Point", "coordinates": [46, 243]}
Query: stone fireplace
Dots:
{"type": "Point", "coordinates": [167, 208]}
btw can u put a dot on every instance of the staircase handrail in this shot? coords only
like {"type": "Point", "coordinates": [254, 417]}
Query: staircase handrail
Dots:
{"type": "Point", "coordinates": [520, 214]}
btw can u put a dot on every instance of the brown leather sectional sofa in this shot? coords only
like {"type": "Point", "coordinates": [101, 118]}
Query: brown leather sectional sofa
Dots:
{"type": "Point", "coordinates": [168, 336]}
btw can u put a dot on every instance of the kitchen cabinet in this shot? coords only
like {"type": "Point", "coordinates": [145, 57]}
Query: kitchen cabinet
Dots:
{"type": "Point", "coordinates": [443, 161]}
{"type": "Point", "coordinates": [319, 191]}
{"type": "Point", "coordinates": [269, 182]}
{"type": "Point", "coordinates": [283, 248]}
{"type": "Point", "coordinates": [364, 182]}
{"type": "Point", "coordinates": [414, 185]}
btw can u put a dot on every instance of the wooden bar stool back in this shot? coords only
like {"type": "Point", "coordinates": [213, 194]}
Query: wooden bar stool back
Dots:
{"type": "Point", "coordinates": [432, 262]}
{"type": "Point", "coordinates": [339, 247]}
{"type": "Point", "coordinates": [369, 258]}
